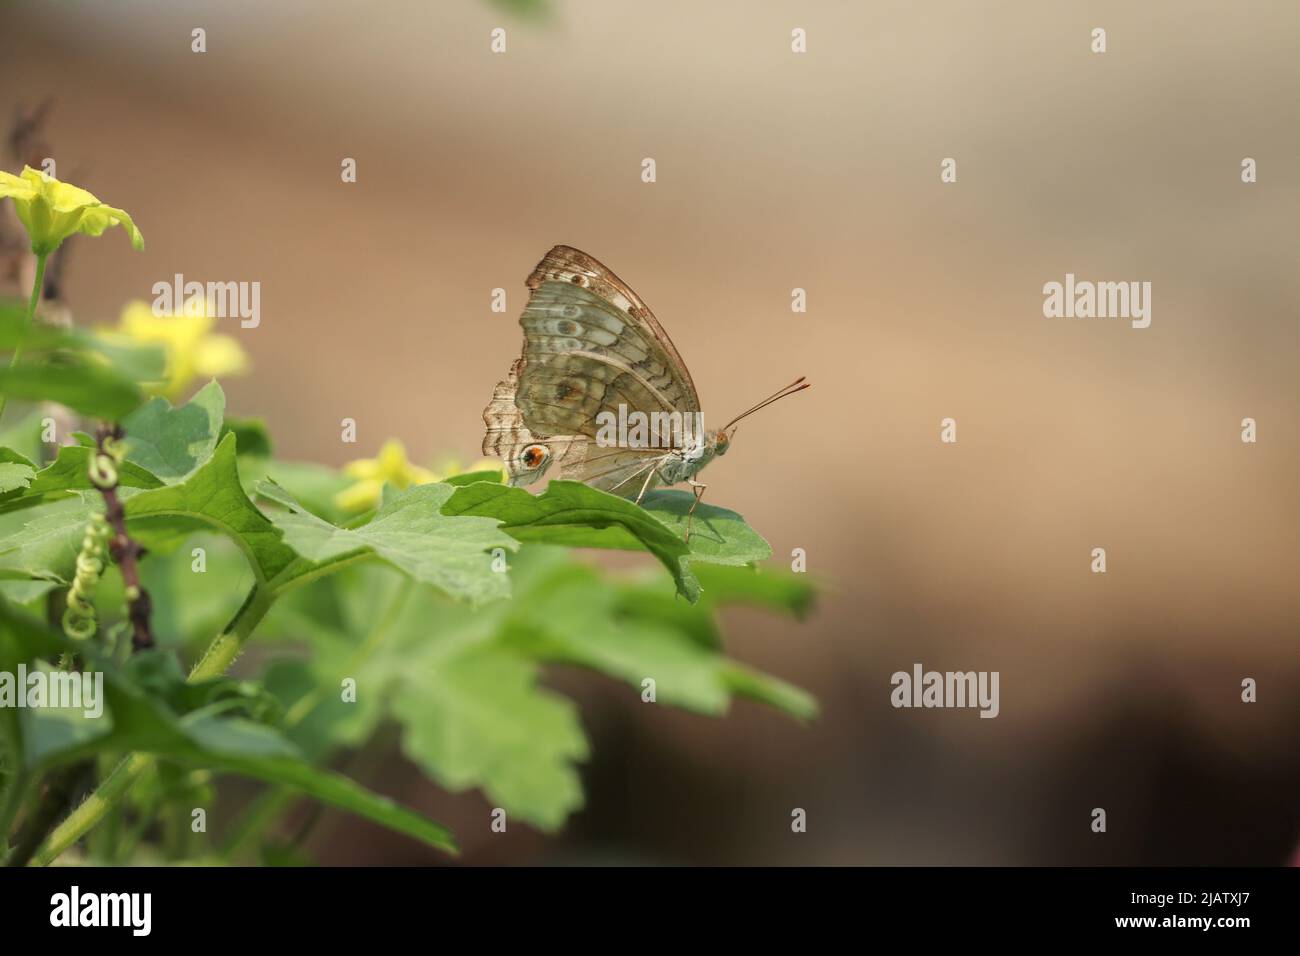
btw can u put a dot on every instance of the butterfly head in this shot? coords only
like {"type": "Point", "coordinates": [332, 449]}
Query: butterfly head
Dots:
{"type": "Point", "coordinates": [720, 441]}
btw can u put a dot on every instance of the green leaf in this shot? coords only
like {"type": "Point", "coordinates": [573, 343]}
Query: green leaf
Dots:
{"type": "Point", "coordinates": [477, 718]}
{"type": "Point", "coordinates": [140, 362]}
{"type": "Point", "coordinates": [141, 723]}
{"type": "Point", "coordinates": [471, 711]}
{"type": "Point", "coordinates": [472, 477]}
{"type": "Point", "coordinates": [23, 590]}
{"type": "Point", "coordinates": [457, 678]}
{"type": "Point", "coordinates": [134, 717]}
{"type": "Point", "coordinates": [526, 9]}
{"type": "Point", "coordinates": [172, 442]}
{"type": "Point", "coordinates": [191, 603]}
{"type": "Point", "coordinates": [251, 434]}
{"type": "Point", "coordinates": [569, 613]}
{"type": "Point", "coordinates": [45, 546]}
{"type": "Point", "coordinates": [769, 690]}
{"type": "Point", "coordinates": [718, 535]}
{"type": "Point", "coordinates": [24, 637]}
{"type": "Point", "coordinates": [14, 476]}
{"type": "Point", "coordinates": [763, 587]}
{"type": "Point", "coordinates": [24, 435]}
{"type": "Point", "coordinates": [213, 496]}
{"type": "Point", "coordinates": [71, 472]}
{"type": "Point", "coordinates": [137, 361]}
{"type": "Point", "coordinates": [288, 770]}
{"type": "Point", "coordinates": [84, 386]}
{"type": "Point", "coordinates": [16, 471]}
{"type": "Point", "coordinates": [411, 533]}
{"type": "Point", "coordinates": [572, 514]}
{"type": "Point", "coordinates": [13, 324]}
{"type": "Point", "coordinates": [311, 485]}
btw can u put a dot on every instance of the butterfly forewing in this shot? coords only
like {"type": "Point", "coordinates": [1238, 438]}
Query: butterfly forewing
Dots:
{"type": "Point", "coordinates": [583, 356]}
{"type": "Point", "coordinates": [590, 345]}
{"type": "Point", "coordinates": [569, 265]}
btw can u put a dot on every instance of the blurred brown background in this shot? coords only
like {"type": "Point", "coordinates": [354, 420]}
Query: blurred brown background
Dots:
{"type": "Point", "coordinates": [819, 171]}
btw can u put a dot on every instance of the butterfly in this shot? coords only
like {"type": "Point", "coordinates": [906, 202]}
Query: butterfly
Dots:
{"type": "Point", "coordinates": [600, 390]}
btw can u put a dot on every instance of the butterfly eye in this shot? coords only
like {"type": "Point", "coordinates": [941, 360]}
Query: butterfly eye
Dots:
{"type": "Point", "coordinates": [535, 455]}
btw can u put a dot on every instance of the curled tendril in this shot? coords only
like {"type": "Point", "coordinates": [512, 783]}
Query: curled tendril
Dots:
{"type": "Point", "coordinates": [79, 616]}
{"type": "Point", "coordinates": [103, 470]}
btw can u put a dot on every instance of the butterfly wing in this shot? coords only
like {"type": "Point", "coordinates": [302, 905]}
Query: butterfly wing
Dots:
{"type": "Point", "coordinates": [509, 438]}
{"type": "Point", "coordinates": [590, 344]}
{"type": "Point", "coordinates": [625, 471]}
{"type": "Point", "coordinates": [581, 316]}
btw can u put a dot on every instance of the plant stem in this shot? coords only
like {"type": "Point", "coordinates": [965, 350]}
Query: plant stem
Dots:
{"type": "Point", "coordinates": [124, 549]}
{"type": "Point", "coordinates": [257, 816]}
{"type": "Point", "coordinates": [58, 793]}
{"type": "Point", "coordinates": [126, 552]}
{"type": "Point", "coordinates": [14, 795]}
{"type": "Point", "coordinates": [27, 324]}
{"type": "Point", "coordinates": [308, 702]}
{"type": "Point", "coordinates": [220, 654]}
{"type": "Point", "coordinates": [263, 811]}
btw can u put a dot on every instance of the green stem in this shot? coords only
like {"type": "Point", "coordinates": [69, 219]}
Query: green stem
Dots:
{"type": "Point", "coordinates": [27, 324]}
{"type": "Point", "coordinates": [263, 811]}
{"type": "Point", "coordinates": [220, 654]}
{"type": "Point", "coordinates": [257, 816]}
{"type": "Point", "coordinates": [53, 798]}
{"type": "Point", "coordinates": [308, 702]}
{"type": "Point", "coordinates": [12, 801]}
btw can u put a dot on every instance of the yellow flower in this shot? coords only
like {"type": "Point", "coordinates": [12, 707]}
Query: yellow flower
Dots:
{"type": "Point", "coordinates": [390, 467]}
{"type": "Point", "coordinates": [192, 349]}
{"type": "Point", "coordinates": [51, 210]}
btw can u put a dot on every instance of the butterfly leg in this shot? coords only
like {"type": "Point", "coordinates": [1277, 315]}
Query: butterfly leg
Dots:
{"type": "Point", "coordinates": [698, 487]}
{"type": "Point", "coordinates": [645, 485]}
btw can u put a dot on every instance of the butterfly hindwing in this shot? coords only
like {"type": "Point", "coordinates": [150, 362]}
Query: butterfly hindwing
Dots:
{"type": "Point", "coordinates": [509, 438]}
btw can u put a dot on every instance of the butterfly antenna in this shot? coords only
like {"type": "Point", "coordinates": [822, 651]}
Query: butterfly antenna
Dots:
{"type": "Point", "coordinates": [798, 385]}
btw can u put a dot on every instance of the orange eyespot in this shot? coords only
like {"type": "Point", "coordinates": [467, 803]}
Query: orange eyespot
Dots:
{"type": "Point", "coordinates": [535, 455]}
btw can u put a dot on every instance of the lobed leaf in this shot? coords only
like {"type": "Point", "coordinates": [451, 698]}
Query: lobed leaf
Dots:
{"type": "Point", "coordinates": [212, 495]}
{"type": "Point", "coordinates": [573, 514]}
{"type": "Point", "coordinates": [88, 387]}
{"type": "Point", "coordinates": [410, 532]}
{"type": "Point", "coordinates": [171, 443]}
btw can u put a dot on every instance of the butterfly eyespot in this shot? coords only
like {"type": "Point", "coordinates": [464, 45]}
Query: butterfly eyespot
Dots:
{"type": "Point", "coordinates": [565, 327]}
{"type": "Point", "coordinates": [564, 390]}
{"type": "Point", "coordinates": [534, 455]}
{"type": "Point", "coordinates": [579, 280]}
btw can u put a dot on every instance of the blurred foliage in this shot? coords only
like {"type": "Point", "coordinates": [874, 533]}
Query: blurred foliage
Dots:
{"type": "Point", "coordinates": [525, 9]}
{"type": "Point", "coordinates": [428, 621]}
